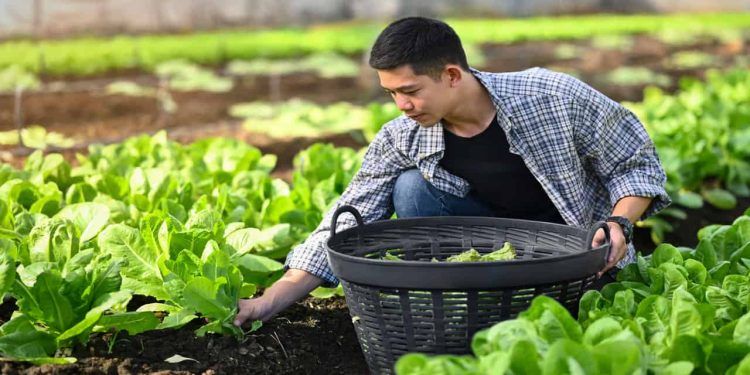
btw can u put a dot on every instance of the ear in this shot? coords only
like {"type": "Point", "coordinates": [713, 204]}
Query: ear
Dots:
{"type": "Point", "coordinates": [454, 74]}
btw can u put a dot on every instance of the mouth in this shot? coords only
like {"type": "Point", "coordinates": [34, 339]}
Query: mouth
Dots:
{"type": "Point", "coordinates": [415, 117]}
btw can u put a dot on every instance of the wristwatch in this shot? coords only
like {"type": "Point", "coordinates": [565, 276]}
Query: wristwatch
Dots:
{"type": "Point", "coordinates": [625, 224]}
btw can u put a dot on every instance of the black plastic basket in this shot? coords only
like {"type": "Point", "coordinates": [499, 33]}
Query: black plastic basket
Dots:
{"type": "Point", "coordinates": [416, 305]}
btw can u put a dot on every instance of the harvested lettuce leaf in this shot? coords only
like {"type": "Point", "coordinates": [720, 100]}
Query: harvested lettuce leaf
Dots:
{"type": "Point", "coordinates": [389, 256]}
{"type": "Point", "coordinates": [470, 255]}
{"type": "Point", "coordinates": [507, 252]}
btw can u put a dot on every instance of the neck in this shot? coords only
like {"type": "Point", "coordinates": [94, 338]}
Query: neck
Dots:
{"type": "Point", "coordinates": [474, 113]}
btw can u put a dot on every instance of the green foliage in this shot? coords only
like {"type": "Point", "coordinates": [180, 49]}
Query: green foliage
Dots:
{"type": "Point", "coordinates": [700, 135]}
{"type": "Point", "coordinates": [7, 272]}
{"type": "Point", "coordinates": [322, 172]}
{"type": "Point", "coordinates": [14, 76]}
{"type": "Point", "coordinates": [166, 102]}
{"type": "Point", "coordinates": [691, 60]}
{"type": "Point", "coordinates": [324, 293]}
{"type": "Point", "coordinates": [128, 88]}
{"type": "Point", "coordinates": [380, 114]}
{"type": "Point", "coordinates": [703, 141]}
{"type": "Point", "coordinates": [86, 56]}
{"type": "Point", "coordinates": [186, 76]}
{"type": "Point", "coordinates": [613, 42]}
{"type": "Point", "coordinates": [566, 51]}
{"type": "Point", "coordinates": [195, 226]}
{"type": "Point", "coordinates": [300, 118]}
{"type": "Point", "coordinates": [626, 76]}
{"type": "Point", "coordinates": [326, 65]}
{"type": "Point", "coordinates": [474, 55]}
{"type": "Point", "coordinates": [35, 136]}
{"type": "Point", "coordinates": [63, 302]}
{"type": "Point", "coordinates": [679, 311]}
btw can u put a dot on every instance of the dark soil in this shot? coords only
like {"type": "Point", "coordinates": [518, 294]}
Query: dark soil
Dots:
{"type": "Point", "coordinates": [93, 115]}
{"type": "Point", "coordinates": [311, 337]}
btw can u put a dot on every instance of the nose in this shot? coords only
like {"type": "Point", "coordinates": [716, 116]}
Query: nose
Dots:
{"type": "Point", "coordinates": [403, 103]}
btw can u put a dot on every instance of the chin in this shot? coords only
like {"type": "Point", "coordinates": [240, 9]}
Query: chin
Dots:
{"type": "Point", "coordinates": [426, 123]}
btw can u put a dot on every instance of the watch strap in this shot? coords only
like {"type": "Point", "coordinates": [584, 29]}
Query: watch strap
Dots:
{"type": "Point", "coordinates": [625, 224]}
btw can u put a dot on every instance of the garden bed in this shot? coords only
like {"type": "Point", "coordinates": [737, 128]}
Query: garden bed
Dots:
{"type": "Point", "coordinates": [311, 337]}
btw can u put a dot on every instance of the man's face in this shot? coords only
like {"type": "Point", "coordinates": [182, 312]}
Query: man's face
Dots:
{"type": "Point", "coordinates": [419, 96]}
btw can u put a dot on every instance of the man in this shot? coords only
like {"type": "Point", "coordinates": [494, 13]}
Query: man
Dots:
{"type": "Point", "coordinates": [534, 145]}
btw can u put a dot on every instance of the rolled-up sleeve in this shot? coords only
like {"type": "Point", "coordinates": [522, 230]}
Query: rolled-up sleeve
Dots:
{"type": "Point", "coordinates": [370, 192]}
{"type": "Point", "coordinates": [621, 151]}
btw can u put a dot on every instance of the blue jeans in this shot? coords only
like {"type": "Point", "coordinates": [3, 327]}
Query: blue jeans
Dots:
{"type": "Point", "coordinates": [413, 196]}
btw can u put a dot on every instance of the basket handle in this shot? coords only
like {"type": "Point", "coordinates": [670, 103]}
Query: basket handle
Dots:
{"type": "Point", "coordinates": [592, 232]}
{"type": "Point", "coordinates": [341, 210]}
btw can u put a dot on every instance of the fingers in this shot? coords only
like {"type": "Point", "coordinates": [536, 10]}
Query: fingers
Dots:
{"type": "Point", "coordinates": [246, 311]}
{"type": "Point", "coordinates": [599, 239]}
{"type": "Point", "coordinates": [610, 263]}
{"type": "Point", "coordinates": [617, 252]}
{"type": "Point", "coordinates": [605, 269]}
{"type": "Point", "coordinates": [253, 309]}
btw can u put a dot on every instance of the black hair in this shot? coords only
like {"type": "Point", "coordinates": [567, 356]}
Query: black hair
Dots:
{"type": "Point", "coordinates": [425, 44]}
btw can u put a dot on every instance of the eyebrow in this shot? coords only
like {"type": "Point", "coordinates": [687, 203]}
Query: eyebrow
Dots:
{"type": "Point", "coordinates": [402, 88]}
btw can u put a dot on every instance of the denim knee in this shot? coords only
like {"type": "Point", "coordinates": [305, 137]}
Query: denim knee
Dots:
{"type": "Point", "coordinates": [413, 196]}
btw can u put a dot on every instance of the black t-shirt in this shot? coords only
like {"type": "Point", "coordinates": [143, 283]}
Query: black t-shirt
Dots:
{"type": "Point", "coordinates": [498, 177]}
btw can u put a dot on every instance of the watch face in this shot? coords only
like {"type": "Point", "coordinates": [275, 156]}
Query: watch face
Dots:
{"type": "Point", "coordinates": [625, 224]}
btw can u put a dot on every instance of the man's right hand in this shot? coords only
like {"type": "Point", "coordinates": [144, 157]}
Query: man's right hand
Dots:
{"type": "Point", "coordinates": [253, 309]}
{"type": "Point", "coordinates": [293, 286]}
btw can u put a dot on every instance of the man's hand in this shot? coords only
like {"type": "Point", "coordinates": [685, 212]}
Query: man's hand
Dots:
{"type": "Point", "coordinates": [630, 207]}
{"type": "Point", "coordinates": [293, 286]}
{"type": "Point", "coordinates": [253, 309]}
{"type": "Point", "coordinates": [619, 247]}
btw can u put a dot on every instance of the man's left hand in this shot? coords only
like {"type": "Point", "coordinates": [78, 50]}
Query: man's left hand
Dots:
{"type": "Point", "coordinates": [619, 247]}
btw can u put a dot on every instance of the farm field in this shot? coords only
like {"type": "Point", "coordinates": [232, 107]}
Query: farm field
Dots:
{"type": "Point", "coordinates": [139, 201]}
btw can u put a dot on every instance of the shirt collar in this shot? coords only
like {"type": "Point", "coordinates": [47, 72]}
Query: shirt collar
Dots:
{"type": "Point", "coordinates": [503, 113]}
{"type": "Point", "coordinates": [431, 139]}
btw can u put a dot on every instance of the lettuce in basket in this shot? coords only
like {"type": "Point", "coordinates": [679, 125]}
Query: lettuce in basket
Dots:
{"type": "Point", "coordinates": [507, 252]}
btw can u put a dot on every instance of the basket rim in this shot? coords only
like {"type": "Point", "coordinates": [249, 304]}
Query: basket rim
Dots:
{"type": "Point", "coordinates": [389, 224]}
{"type": "Point", "coordinates": [495, 263]}
{"type": "Point", "coordinates": [459, 275]}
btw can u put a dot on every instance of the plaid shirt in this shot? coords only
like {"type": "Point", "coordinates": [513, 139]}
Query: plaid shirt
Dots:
{"type": "Point", "coordinates": [586, 150]}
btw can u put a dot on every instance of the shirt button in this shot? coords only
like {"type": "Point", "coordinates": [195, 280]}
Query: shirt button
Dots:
{"type": "Point", "coordinates": [425, 175]}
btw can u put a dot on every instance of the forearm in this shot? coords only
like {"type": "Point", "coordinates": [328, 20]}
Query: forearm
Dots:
{"type": "Point", "coordinates": [293, 286]}
{"type": "Point", "coordinates": [632, 207]}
